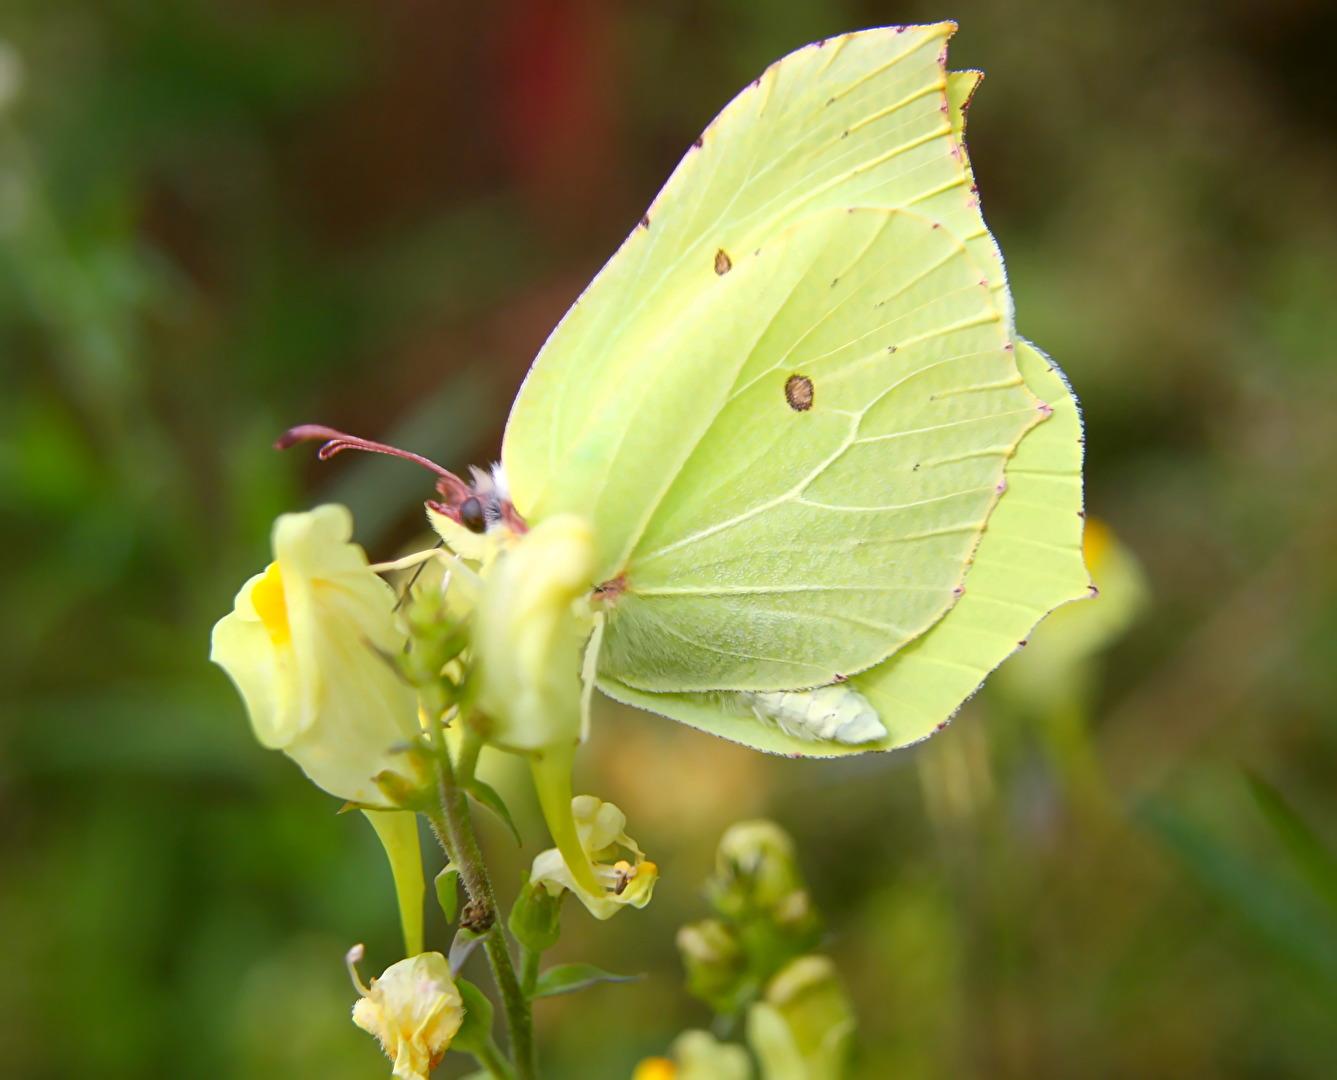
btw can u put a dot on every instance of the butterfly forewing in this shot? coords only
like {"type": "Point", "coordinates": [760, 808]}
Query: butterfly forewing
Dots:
{"type": "Point", "coordinates": [858, 120]}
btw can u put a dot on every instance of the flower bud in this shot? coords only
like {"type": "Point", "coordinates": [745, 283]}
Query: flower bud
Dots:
{"type": "Point", "coordinates": [717, 967]}
{"type": "Point", "coordinates": [535, 919]}
{"type": "Point", "coordinates": [805, 1019]}
{"type": "Point", "coordinates": [414, 1009]}
{"type": "Point", "coordinates": [700, 1056]}
{"type": "Point", "coordinates": [755, 871]}
{"type": "Point", "coordinates": [310, 646]}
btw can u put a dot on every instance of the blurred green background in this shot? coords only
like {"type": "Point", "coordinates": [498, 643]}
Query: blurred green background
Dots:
{"type": "Point", "coordinates": [221, 218]}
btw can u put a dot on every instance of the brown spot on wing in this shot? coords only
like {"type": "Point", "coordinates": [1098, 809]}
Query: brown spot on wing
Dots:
{"type": "Point", "coordinates": [799, 392]}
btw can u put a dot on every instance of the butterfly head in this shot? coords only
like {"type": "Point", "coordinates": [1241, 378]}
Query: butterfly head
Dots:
{"type": "Point", "coordinates": [488, 506]}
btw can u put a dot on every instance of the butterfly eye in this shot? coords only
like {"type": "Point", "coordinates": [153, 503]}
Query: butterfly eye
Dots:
{"type": "Point", "coordinates": [472, 516]}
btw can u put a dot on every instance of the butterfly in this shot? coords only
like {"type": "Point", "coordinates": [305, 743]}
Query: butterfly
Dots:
{"type": "Point", "coordinates": [830, 485]}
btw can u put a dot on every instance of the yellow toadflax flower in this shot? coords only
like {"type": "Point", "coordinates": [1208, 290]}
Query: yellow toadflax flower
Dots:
{"type": "Point", "coordinates": [528, 636]}
{"type": "Point", "coordinates": [413, 1009]}
{"type": "Point", "coordinates": [531, 627]}
{"type": "Point", "coordinates": [601, 827]}
{"type": "Point", "coordinates": [655, 1068]}
{"type": "Point", "coordinates": [307, 645]}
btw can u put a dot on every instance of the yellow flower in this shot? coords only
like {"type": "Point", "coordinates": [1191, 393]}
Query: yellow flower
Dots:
{"type": "Point", "coordinates": [655, 1068]}
{"type": "Point", "coordinates": [623, 882]}
{"type": "Point", "coordinates": [531, 625]}
{"type": "Point", "coordinates": [528, 635]}
{"type": "Point", "coordinates": [697, 1055]}
{"type": "Point", "coordinates": [413, 1009]}
{"type": "Point", "coordinates": [308, 645]}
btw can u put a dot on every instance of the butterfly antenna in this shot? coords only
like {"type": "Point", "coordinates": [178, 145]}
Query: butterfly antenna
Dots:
{"type": "Point", "coordinates": [336, 442]}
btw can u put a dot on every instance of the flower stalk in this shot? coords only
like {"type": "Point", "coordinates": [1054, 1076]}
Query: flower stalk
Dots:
{"type": "Point", "coordinates": [453, 825]}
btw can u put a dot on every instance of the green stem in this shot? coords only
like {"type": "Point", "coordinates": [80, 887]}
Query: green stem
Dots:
{"type": "Point", "coordinates": [529, 969]}
{"type": "Point", "coordinates": [470, 747]}
{"type": "Point", "coordinates": [455, 827]}
{"type": "Point", "coordinates": [518, 1016]}
{"type": "Point", "coordinates": [494, 1061]}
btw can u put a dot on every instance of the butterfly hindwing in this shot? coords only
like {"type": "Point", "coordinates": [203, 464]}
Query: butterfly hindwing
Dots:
{"type": "Point", "coordinates": [1029, 562]}
{"type": "Point", "coordinates": [795, 545]}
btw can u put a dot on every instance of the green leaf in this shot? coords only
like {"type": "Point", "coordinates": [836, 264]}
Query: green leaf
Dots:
{"type": "Point", "coordinates": [486, 795]}
{"type": "Point", "coordinates": [568, 978]}
{"type": "Point", "coordinates": [1309, 853]}
{"type": "Point", "coordinates": [447, 892]}
{"type": "Point", "coordinates": [476, 1031]}
{"type": "Point", "coordinates": [1280, 914]}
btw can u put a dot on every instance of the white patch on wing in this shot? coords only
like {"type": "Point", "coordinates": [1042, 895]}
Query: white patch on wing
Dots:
{"type": "Point", "coordinates": [836, 713]}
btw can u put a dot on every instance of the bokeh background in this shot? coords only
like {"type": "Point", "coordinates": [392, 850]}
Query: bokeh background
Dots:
{"type": "Point", "coordinates": [221, 217]}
